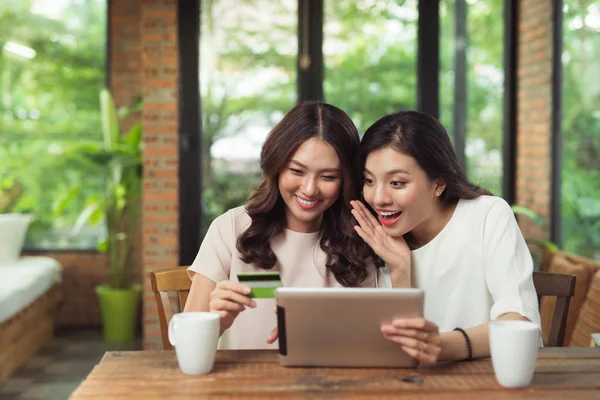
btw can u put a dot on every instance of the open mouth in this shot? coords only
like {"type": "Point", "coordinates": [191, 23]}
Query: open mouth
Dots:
{"type": "Point", "coordinates": [389, 218]}
{"type": "Point", "coordinates": [306, 204]}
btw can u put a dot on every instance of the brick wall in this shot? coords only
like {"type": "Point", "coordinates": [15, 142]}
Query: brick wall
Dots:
{"type": "Point", "coordinates": [160, 199]}
{"type": "Point", "coordinates": [81, 273]}
{"type": "Point", "coordinates": [534, 110]}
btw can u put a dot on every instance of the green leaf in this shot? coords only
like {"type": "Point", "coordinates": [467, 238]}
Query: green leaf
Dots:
{"type": "Point", "coordinates": [528, 213]}
{"type": "Point", "coordinates": [545, 244]}
{"type": "Point", "coordinates": [134, 107]}
{"type": "Point", "coordinates": [110, 123]}
{"type": "Point", "coordinates": [133, 137]}
{"type": "Point", "coordinates": [102, 246]}
{"type": "Point", "coordinates": [61, 203]}
{"type": "Point", "coordinates": [84, 217]}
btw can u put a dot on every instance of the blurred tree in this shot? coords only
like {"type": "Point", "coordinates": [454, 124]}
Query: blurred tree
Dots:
{"type": "Point", "coordinates": [581, 128]}
{"type": "Point", "coordinates": [52, 68]}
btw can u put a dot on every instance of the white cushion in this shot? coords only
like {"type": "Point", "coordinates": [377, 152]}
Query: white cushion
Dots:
{"type": "Point", "coordinates": [23, 281]}
{"type": "Point", "coordinates": [13, 228]}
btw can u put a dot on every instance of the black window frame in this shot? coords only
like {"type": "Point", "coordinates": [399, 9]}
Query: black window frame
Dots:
{"type": "Point", "coordinates": [310, 72]}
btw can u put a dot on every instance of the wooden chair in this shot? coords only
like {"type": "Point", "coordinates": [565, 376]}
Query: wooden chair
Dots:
{"type": "Point", "coordinates": [562, 286]}
{"type": "Point", "coordinates": [169, 280]}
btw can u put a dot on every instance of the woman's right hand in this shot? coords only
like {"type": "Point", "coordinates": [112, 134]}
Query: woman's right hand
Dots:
{"type": "Point", "coordinates": [394, 251]}
{"type": "Point", "coordinates": [228, 299]}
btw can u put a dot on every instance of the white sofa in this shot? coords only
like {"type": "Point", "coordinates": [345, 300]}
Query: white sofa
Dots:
{"type": "Point", "coordinates": [29, 296]}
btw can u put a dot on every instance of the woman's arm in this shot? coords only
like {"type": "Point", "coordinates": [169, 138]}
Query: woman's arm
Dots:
{"type": "Point", "coordinates": [400, 277]}
{"type": "Point", "coordinates": [421, 339]}
{"type": "Point", "coordinates": [454, 346]}
{"type": "Point", "coordinates": [226, 298]}
{"type": "Point", "coordinates": [199, 296]}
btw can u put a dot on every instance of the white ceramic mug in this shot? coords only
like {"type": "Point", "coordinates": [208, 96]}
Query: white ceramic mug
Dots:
{"type": "Point", "coordinates": [514, 347]}
{"type": "Point", "coordinates": [195, 336]}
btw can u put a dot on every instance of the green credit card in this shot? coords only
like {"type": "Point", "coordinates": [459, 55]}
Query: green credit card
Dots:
{"type": "Point", "coordinates": [262, 284]}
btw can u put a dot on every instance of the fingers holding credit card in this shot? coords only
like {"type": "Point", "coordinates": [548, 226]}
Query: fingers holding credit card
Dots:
{"type": "Point", "coordinates": [228, 299]}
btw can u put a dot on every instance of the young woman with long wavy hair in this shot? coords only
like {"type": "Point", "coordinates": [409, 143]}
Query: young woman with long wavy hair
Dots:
{"type": "Point", "coordinates": [297, 221]}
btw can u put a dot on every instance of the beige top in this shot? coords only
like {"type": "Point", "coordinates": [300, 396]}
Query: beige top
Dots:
{"type": "Point", "coordinates": [301, 263]}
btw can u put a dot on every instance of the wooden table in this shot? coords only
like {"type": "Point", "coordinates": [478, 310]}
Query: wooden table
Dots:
{"type": "Point", "coordinates": [561, 373]}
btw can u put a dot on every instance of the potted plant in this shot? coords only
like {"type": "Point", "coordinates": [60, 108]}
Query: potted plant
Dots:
{"type": "Point", "coordinates": [119, 158]}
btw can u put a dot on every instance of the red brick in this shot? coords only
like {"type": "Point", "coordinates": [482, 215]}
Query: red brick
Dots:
{"type": "Point", "coordinates": [534, 110]}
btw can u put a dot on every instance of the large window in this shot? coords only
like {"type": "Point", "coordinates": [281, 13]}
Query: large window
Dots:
{"type": "Point", "coordinates": [52, 68]}
{"type": "Point", "coordinates": [471, 85]}
{"type": "Point", "coordinates": [247, 84]}
{"type": "Point", "coordinates": [369, 53]}
{"type": "Point", "coordinates": [581, 128]}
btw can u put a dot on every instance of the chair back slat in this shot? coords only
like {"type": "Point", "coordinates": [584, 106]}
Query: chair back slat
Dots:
{"type": "Point", "coordinates": [561, 286]}
{"type": "Point", "coordinates": [164, 281]}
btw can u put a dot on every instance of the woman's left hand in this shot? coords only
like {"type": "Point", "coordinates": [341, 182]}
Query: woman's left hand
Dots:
{"type": "Point", "coordinates": [417, 336]}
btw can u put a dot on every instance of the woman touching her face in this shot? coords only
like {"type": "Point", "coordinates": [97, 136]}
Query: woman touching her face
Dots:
{"type": "Point", "coordinates": [435, 230]}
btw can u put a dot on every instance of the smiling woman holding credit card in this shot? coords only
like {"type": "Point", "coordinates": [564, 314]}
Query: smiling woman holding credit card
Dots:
{"type": "Point", "coordinates": [297, 225]}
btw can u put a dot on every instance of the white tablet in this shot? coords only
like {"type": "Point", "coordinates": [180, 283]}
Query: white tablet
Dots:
{"type": "Point", "coordinates": [340, 327]}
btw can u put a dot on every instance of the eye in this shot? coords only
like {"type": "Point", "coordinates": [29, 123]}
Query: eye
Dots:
{"type": "Point", "coordinates": [296, 171]}
{"type": "Point", "coordinates": [329, 177]}
{"type": "Point", "coordinates": [368, 181]}
{"type": "Point", "coordinates": [397, 184]}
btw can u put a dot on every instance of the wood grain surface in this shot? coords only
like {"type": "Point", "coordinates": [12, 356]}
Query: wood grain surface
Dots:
{"type": "Point", "coordinates": [561, 373]}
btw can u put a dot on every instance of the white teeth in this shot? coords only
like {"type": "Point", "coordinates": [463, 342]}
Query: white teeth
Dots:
{"type": "Point", "coordinates": [388, 213]}
{"type": "Point", "coordinates": [306, 203]}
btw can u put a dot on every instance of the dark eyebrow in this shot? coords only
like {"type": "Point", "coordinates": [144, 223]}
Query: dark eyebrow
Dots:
{"type": "Point", "coordinates": [392, 172]}
{"type": "Point", "coordinates": [305, 167]}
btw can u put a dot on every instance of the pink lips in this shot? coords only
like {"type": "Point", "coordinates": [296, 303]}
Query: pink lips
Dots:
{"type": "Point", "coordinates": [304, 206]}
{"type": "Point", "coordinates": [387, 221]}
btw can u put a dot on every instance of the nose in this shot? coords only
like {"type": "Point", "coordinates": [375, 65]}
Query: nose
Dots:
{"type": "Point", "coordinates": [381, 196]}
{"type": "Point", "coordinates": [309, 186]}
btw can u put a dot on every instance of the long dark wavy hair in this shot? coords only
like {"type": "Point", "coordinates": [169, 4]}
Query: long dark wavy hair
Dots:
{"type": "Point", "coordinates": [425, 139]}
{"type": "Point", "coordinates": [347, 254]}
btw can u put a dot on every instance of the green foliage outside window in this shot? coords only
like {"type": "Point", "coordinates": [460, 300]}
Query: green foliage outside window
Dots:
{"type": "Point", "coordinates": [248, 82]}
{"type": "Point", "coordinates": [52, 63]}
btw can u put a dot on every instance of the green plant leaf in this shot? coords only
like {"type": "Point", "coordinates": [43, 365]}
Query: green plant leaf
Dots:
{"type": "Point", "coordinates": [520, 210]}
{"type": "Point", "coordinates": [63, 202]}
{"type": "Point", "coordinates": [102, 246]}
{"type": "Point", "coordinates": [110, 123]}
{"type": "Point", "coordinates": [84, 217]}
{"type": "Point", "coordinates": [545, 244]}
{"type": "Point", "coordinates": [134, 107]}
{"type": "Point", "coordinates": [133, 137]}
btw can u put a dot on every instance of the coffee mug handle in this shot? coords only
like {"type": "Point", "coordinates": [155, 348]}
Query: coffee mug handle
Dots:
{"type": "Point", "coordinates": [172, 329]}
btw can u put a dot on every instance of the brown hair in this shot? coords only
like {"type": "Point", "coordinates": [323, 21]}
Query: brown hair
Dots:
{"type": "Point", "coordinates": [347, 254]}
{"type": "Point", "coordinates": [424, 138]}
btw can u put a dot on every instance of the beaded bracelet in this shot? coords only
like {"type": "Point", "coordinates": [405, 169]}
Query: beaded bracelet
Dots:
{"type": "Point", "coordinates": [461, 330]}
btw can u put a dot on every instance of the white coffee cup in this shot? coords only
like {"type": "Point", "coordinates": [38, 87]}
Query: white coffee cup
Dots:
{"type": "Point", "coordinates": [195, 336]}
{"type": "Point", "coordinates": [514, 347]}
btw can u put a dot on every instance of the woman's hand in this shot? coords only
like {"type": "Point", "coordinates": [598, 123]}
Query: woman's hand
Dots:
{"type": "Point", "coordinates": [274, 335]}
{"type": "Point", "coordinates": [392, 250]}
{"type": "Point", "coordinates": [417, 336]}
{"type": "Point", "coordinates": [228, 300]}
